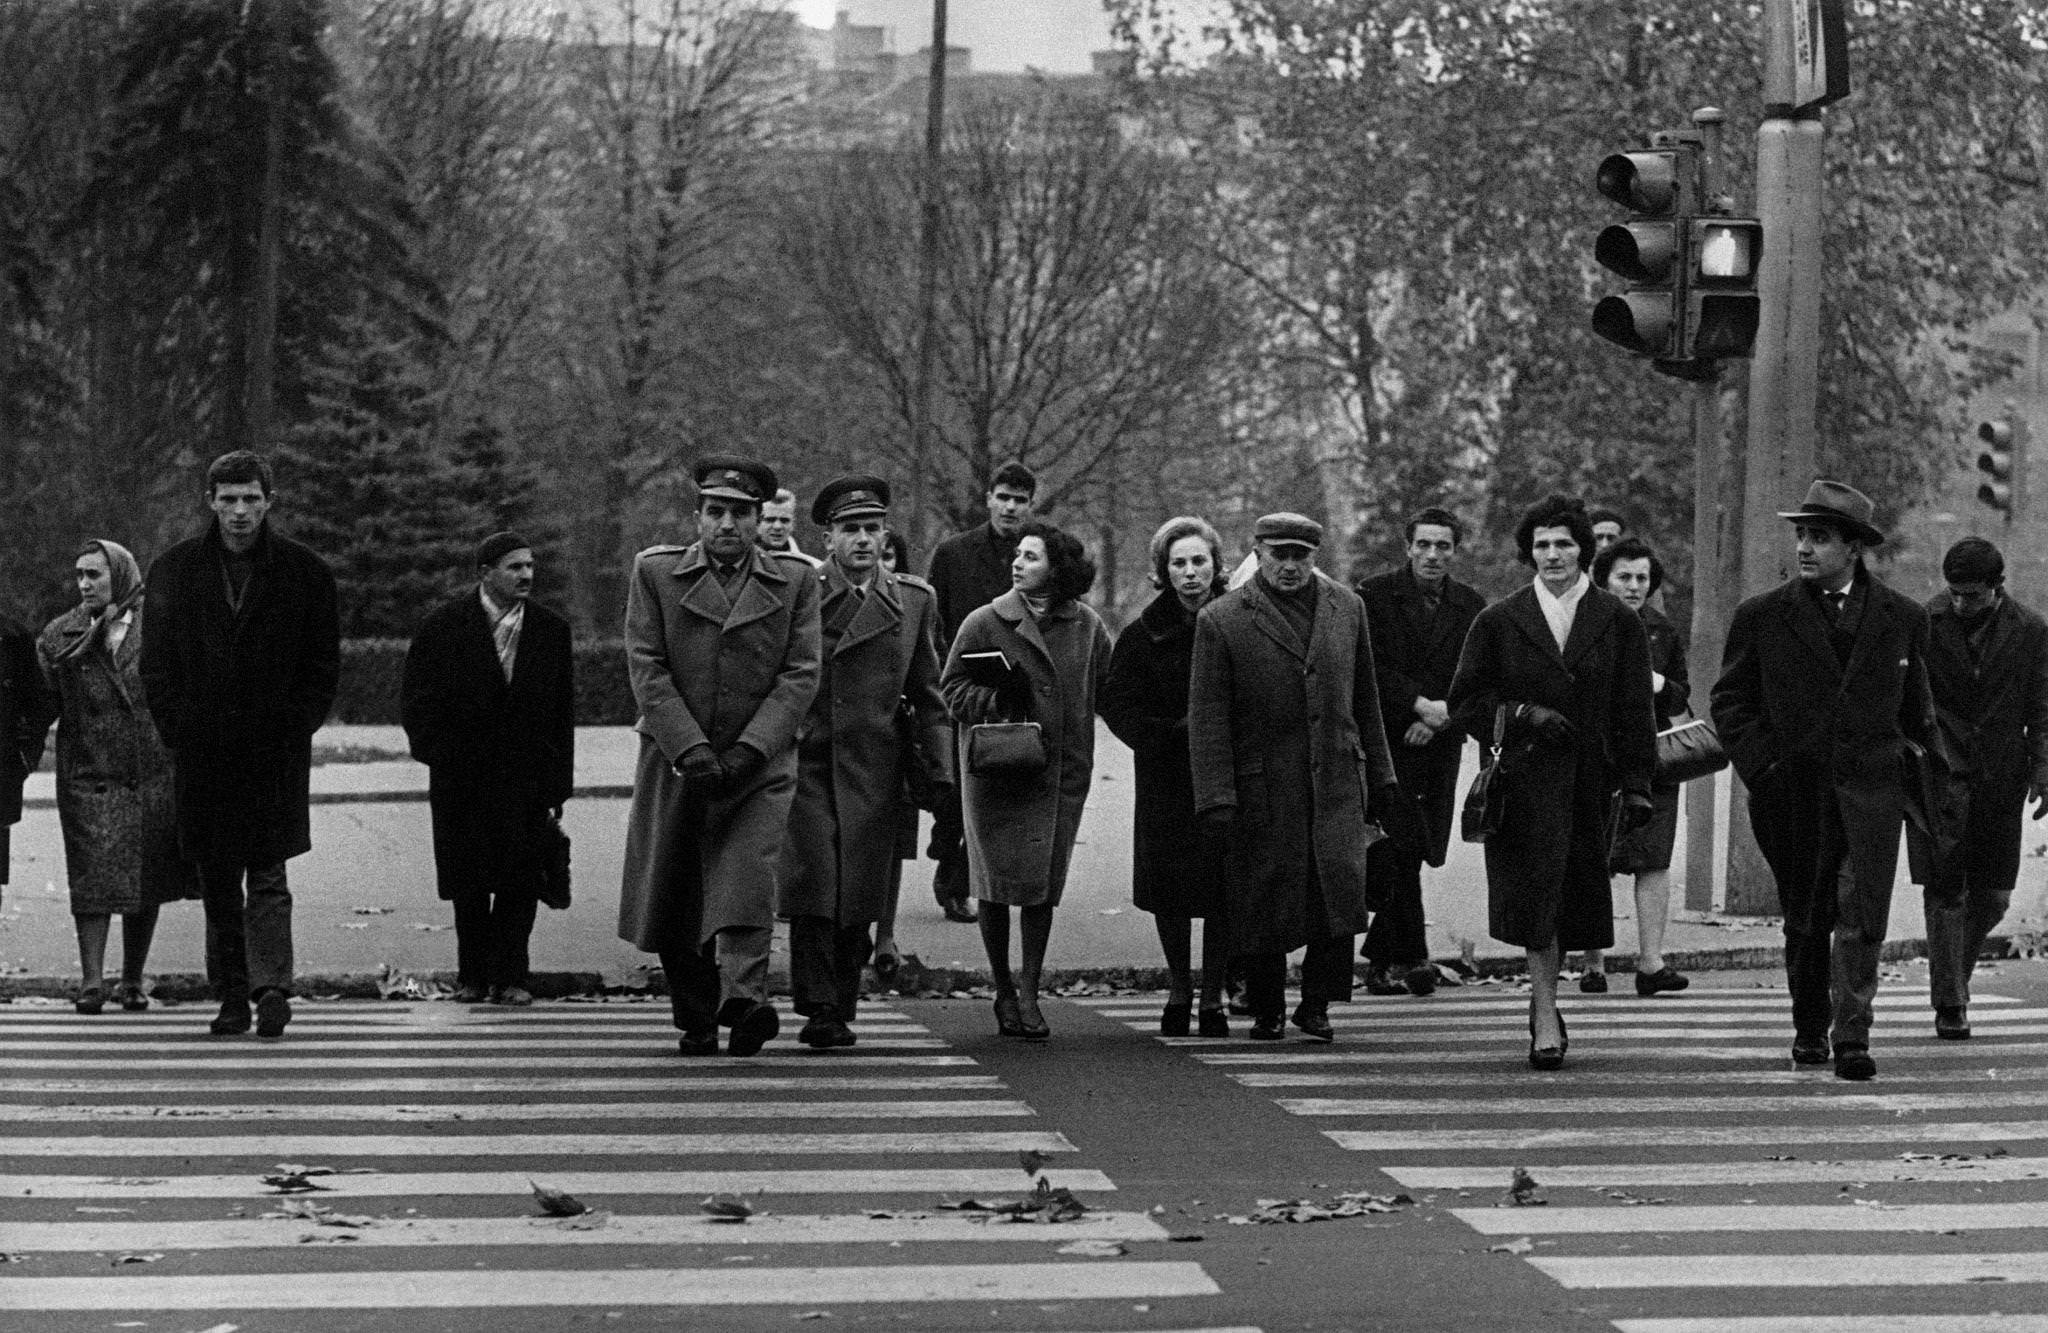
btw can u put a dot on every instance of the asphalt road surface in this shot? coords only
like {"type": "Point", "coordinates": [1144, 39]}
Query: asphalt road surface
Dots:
{"type": "Point", "coordinates": [1686, 1179]}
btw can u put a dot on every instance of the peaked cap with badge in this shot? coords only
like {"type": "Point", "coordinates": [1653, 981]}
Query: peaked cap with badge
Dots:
{"type": "Point", "coordinates": [856, 495]}
{"type": "Point", "coordinates": [733, 477]}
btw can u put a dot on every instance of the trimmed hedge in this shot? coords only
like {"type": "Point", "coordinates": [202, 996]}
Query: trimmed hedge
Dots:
{"type": "Point", "coordinates": [372, 669]}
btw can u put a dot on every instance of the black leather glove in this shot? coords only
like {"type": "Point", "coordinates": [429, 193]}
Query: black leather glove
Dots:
{"type": "Point", "coordinates": [1546, 725]}
{"type": "Point", "coordinates": [939, 796]}
{"type": "Point", "coordinates": [1395, 811]}
{"type": "Point", "coordinates": [739, 764]}
{"type": "Point", "coordinates": [1636, 811]}
{"type": "Point", "coordinates": [698, 767]}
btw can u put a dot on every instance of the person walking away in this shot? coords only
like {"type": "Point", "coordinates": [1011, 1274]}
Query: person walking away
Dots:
{"type": "Point", "coordinates": [241, 655]}
{"type": "Point", "coordinates": [722, 650]}
{"type": "Point", "coordinates": [489, 705]}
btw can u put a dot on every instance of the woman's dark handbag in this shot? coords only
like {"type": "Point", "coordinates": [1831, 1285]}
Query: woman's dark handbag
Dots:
{"type": "Point", "coordinates": [554, 862]}
{"type": "Point", "coordinates": [1486, 799]}
{"type": "Point", "coordinates": [1005, 749]}
{"type": "Point", "coordinates": [1688, 750]}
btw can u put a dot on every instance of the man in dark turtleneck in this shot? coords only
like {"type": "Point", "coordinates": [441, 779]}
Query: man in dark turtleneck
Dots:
{"type": "Point", "coordinates": [1987, 663]}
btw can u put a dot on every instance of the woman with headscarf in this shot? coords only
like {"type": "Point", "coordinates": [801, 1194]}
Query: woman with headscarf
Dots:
{"type": "Point", "coordinates": [113, 774]}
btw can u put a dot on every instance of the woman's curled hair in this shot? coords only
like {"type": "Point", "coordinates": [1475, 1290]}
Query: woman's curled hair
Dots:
{"type": "Point", "coordinates": [1073, 573]}
{"type": "Point", "coordinates": [1171, 531]}
{"type": "Point", "coordinates": [1628, 548]}
{"type": "Point", "coordinates": [1555, 511]}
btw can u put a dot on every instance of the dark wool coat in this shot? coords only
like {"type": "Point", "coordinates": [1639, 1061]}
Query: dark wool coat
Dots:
{"type": "Point", "coordinates": [114, 792]}
{"type": "Point", "coordinates": [850, 792]}
{"type": "Point", "coordinates": [1650, 847]}
{"type": "Point", "coordinates": [1289, 735]}
{"type": "Point", "coordinates": [26, 709]}
{"type": "Point", "coordinates": [238, 693]}
{"type": "Point", "coordinates": [968, 571]}
{"type": "Point", "coordinates": [1415, 654]}
{"type": "Point", "coordinates": [1546, 870]}
{"type": "Point", "coordinates": [1145, 702]}
{"type": "Point", "coordinates": [1804, 733]}
{"type": "Point", "coordinates": [722, 669]}
{"type": "Point", "coordinates": [1020, 831]}
{"type": "Point", "coordinates": [499, 755]}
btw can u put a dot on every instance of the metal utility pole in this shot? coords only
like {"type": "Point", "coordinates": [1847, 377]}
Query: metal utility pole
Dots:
{"type": "Point", "coordinates": [259, 367]}
{"type": "Point", "coordinates": [932, 216]}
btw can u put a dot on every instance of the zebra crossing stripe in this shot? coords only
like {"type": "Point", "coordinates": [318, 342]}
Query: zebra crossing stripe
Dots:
{"type": "Point", "coordinates": [1823, 1098]}
{"type": "Point", "coordinates": [1381, 1035]}
{"type": "Point", "coordinates": [1855, 1323]}
{"type": "Point", "coordinates": [594, 1229]}
{"type": "Point", "coordinates": [1606, 1016]}
{"type": "Point", "coordinates": [1658, 1175]}
{"type": "Point", "coordinates": [1126, 1006]}
{"type": "Point", "coordinates": [458, 1113]}
{"type": "Point", "coordinates": [666, 1082]}
{"type": "Point", "coordinates": [1681, 1136]}
{"type": "Point", "coordinates": [1668, 1218]}
{"type": "Point", "coordinates": [611, 1288]}
{"type": "Point", "coordinates": [591, 1186]}
{"type": "Point", "coordinates": [1859, 1271]}
{"type": "Point", "coordinates": [314, 1147]}
{"type": "Point", "coordinates": [1509, 1046]}
{"type": "Point", "coordinates": [657, 1052]}
{"type": "Point", "coordinates": [1614, 1078]}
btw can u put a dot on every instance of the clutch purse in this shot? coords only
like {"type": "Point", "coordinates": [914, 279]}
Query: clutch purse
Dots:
{"type": "Point", "coordinates": [1005, 749]}
{"type": "Point", "coordinates": [1688, 750]}
{"type": "Point", "coordinates": [1486, 799]}
{"type": "Point", "coordinates": [554, 858]}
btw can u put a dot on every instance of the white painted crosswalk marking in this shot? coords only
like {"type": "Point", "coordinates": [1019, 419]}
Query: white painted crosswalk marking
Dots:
{"type": "Point", "coordinates": [1854, 1271]}
{"type": "Point", "coordinates": [1859, 1323]}
{"type": "Point", "coordinates": [666, 1081]}
{"type": "Point", "coordinates": [654, 1055]}
{"type": "Point", "coordinates": [936, 1182]}
{"type": "Point", "coordinates": [1972, 1170]}
{"type": "Point", "coordinates": [464, 1112]}
{"type": "Point", "coordinates": [361, 1146]}
{"type": "Point", "coordinates": [1667, 1219]}
{"type": "Point", "coordinates": [1824, 1097]}
{"type": "Point", "coordinates": [1683, 1136]}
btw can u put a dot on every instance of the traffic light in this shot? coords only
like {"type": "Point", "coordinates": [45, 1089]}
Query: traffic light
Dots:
{"type": "Point", "coordinates": [2000, 460]}
{"type": "Point", "coordinates": [1692, 298]}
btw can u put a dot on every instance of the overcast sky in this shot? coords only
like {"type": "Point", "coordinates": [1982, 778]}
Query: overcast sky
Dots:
{"type": "Point", "coordinates": [1052, 35]}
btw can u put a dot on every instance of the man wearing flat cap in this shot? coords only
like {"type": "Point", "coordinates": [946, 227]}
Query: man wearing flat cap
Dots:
{"type": "Point", "coordinates": [489, 706]}
{"type": "Point", "coordinates": [1987, 663]}
{"type": "Point", "coordinates": [1288, 749]}
{"type": "Point", "coordinates": [722, 652]}
{"type": "Point", "coordinates": [880, 654]}
{"type": "Point", "coordinates": [1823, 685]}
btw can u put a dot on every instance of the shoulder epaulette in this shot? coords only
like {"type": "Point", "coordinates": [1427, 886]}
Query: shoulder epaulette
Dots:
{"type": "Point", "coordinates": [918, 581]}
{"type": "Point", "coordinates": [661, 550]}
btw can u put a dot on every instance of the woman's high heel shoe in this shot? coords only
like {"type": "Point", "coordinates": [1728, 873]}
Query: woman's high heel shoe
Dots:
{"type": "Point", "coordinates": [1008, 1023]}
{"type": "Point", "coordinates": [1173, 1020]}
{"type": "Point", "coordinates": [1030, 1030]}
{"type": "Point", "coordinates": [1548, 1058]}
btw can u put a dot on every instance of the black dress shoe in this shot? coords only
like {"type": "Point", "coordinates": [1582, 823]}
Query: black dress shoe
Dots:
{"type": "Point", "coordinates": [1952, 1022]}
{"type": "Point", "coordinates": [698, 1043]}
{"type": "Point", "coordinates": [1212, 1023]}
{"type": "Point", "coordinates": [89, 1001]}
{"type": "Point", "coordinates": [1854, 1063]}
{"type": "Point", "coordinates": [752, 1029]}
{"type": "Point", "coordinates": [232, 1020]}
{"type": "Point", "coordinates": [825, 1031]}
{"type": "Point", "coordinates": [273, 1011]}
{"type": "Point", "coordinates": [1592, 983]}
{"type": "Point", "coordinates": [1381, 981]}
{"type": "Point", "coordinates": [1173, 1020]}
{"type": "Point", "coordinates": [467, 994]}
{"type": "Point", "coordinates": [1809, 1050]}
{"type": "Point", "coordinates": [132, 999]}
{"type": "Point", "coordinates": [958, 909]}
{"type": "Point", "coordinates": [1665, 978]}
{"type": "Point", "coordinates": [1420, 979]}
{"type": "Point", "coordinates": [1313, 1018]}
{"type": "Point", "coordinates": [1268, 1028]}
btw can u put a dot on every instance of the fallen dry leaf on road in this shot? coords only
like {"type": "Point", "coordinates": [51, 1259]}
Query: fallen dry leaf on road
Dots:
{"type": "Point", "coordinates": [1522, 1189]}
{"type": "Point", "coordinates": [1519, 1245]}
{"type": "Point", "coordinates": [120, 1259]}
{"type": "Point", "coordinates": [1032, 1160]}
{"type": "Point", "coordinates": [726, 1208]}
{"type": "Point", "coordinates": [1094, 1249]}
{"type": "Point", "coordinates": [556, 1203]}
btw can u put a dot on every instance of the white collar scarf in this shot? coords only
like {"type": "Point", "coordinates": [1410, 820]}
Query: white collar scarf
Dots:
{"type": "Point", "coordinates": [1559, 612]}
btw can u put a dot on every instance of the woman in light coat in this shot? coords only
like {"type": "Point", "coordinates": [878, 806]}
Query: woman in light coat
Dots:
{"type": "Point", "coordinates": [113, 775]}
{"type": "Point", "coordinates": [1021, 828]}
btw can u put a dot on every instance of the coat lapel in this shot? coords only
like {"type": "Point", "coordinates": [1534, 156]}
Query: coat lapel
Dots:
{"type": "Point", "coordinates": [1010, 606]}
{"type": "Point", "coordinates": [1526, 614]}
{"type": "Point", "coordinates": [760, 581]}
{"type": "Point", "coordinates": [481, 648]}
{"type": "Point", "coordinates": [701, 594]}
{"type": "Point", "coordinates": [1272, 623]}
{"type": "Point", "coordinates": [1320, 648]}
{"type": "Point", "coordinates": [1873, 634]}
{"type": "Point", "coordinates": [1589, 625]}
{"type": "Point", "coordinates": [880, 611]}
{"type": "Point", "coordinates": [1803, 617]}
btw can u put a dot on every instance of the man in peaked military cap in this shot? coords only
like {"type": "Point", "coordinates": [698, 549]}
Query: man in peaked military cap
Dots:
{"type": "Point", "coordinates": [722, 650]}
{"type": "Point", "coordinates": [880, 652]}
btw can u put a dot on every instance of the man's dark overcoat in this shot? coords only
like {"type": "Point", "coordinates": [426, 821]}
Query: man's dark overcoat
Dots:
{"type": "Point", "coordinates": [708, 666]}
{"type": "Point", "coordinates": [1289, 735]}
{"type": "Point", "coordinates": [1546, 869]}
{"type": "Point", "coordinates": [850, 755]}
{"type": "Point", "coordinates": [969, 570]}
{"type": "Point", "coordinates": [27, 708]}
{"type": "Point", "coordinates": [1145, 702]}
{"type": "Point", "coordinates": [237, 693]}
{"type": "Point", "coordinates": [499, 754]}
{"type": "Point", "coordinates": [1802, 729]}
{"type": "Point", "coordinates": [1415, 651]}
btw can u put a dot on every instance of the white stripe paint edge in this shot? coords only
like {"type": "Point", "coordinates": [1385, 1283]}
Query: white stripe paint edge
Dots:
{"type": "Point", "coordinates": [356, 1147]}
{"type": "Point", "coordinates": [1859, 1271]}
{"type": "Point", "coordinates": [665, 1083]}
{"type": "Point", "coordinates": [1657, 1175]}
{"type": "Point", "coordinates": [279, 1057]}
{"type": "Point", "coordinates": [1822, 1098]}
{"type": "Point", "coordinates": [1851, 1323]}
{"type": "Point", "coordinates": [1662, 1218]}
{"type": "Point", "coordinates": [593, 1187]}
{"type": "Point", "coordinates": [471, 1112]}
{"type": "Point", "coordinates": [1680, 1136]}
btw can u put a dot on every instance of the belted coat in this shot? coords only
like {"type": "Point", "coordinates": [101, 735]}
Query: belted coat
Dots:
{"type": "Point", "coordinates": [1804, 731]}
{"type": "Point", "coordinates": [237, 691]}
{"type": "Point", "coordinates": [1546, 869]}
{"type": "Point", "coordinates": [723, 669]}
{"type": "Point", "coordinates": [499, 753]}
{"type": "Point", "coordinates": [1021, 830]}
{"type": "Point", "coordinates": [880, 654]}
{"type": "Point", "coordinates": [1289, 735]}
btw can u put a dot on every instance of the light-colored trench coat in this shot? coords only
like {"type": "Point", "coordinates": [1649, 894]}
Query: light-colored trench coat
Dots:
{"type": "Point", "coordinates": [850, 756]}
{"type": "Point", "coordinates": [721, 669]}
{"type": "Point", "coordinates": [1020, 831]}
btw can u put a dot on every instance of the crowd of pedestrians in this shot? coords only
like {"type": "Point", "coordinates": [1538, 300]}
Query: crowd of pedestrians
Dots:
{"type": "Point", "coordinates": [1297, 748]}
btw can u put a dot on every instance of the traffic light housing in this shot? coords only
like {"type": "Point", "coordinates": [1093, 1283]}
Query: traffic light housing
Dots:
{"type": "Point", "coordinates": [1692, 298]}
{"type": "Point", "coordinates": [2000, 460]}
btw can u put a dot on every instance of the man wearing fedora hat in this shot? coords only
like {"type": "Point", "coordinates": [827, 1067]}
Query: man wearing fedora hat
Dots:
{"type": "Point", "coordinates": [1823, 684]}
{"type": "Point", "coordinates": [880, 633]}
{"type": "Point", "coordinates": [722, 651]}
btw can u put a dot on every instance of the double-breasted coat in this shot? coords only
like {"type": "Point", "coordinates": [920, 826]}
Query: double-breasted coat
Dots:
{"type": "Point", "coordinates": [237, 691]}
{"type": "Point", "coordinates": [1020, 830]}
{"type": "Point", "coordinates": [1415, 652]}
{"type": "Point", "coordinates": [1145, 702]}
{"type": "Point", "coordinates": [880, 652]}
{"type": "Point", "coordinates": [720, 668]}
{"type": "Point", "coordinates": [1804, 730]}
{"type": "Point", "coordinates": [1546, 869]}
{"type": "Point", "coordinates": [1289, 735]}
{"type": "Point", "coordinates": [114, 797]}
{"type": "Point", "coordinates": [499, 754]}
